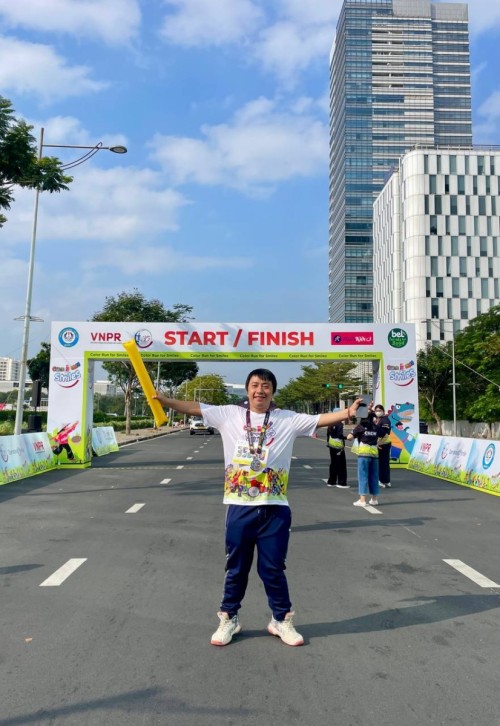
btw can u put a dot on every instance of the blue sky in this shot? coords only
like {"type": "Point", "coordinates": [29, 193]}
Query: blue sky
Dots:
{"type": "Point", "coordinates": [222, 200]}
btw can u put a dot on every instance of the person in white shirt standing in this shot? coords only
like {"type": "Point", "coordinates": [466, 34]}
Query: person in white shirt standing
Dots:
{"type": "Point", "coordinates": [258, 442]}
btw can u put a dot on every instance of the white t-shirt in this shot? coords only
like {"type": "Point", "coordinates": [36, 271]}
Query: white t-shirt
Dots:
{"type": "Point", "coordinates": [250, 480]}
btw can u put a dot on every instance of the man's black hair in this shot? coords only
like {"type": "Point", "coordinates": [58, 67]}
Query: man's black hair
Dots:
{"type": "Point", "coordinates": [265, 375]}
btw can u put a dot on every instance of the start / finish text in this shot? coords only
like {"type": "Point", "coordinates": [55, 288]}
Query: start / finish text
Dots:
{"type": "Point", "coordinates": [261, 338]}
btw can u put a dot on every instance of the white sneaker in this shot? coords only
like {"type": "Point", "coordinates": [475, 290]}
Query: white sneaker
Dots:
{"type": "Point", "coordinates": [359, 503]}
{"type": "Point", "coordinates": [373, 502]}
{"type": "Point", "coordinates": [227, 628]}
{"type": "Point", "coordinates": [382, 486]}
{"type": "Point", "coordinates": [284, 629]}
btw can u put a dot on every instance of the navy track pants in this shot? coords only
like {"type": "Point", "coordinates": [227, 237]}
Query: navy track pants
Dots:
{"type": "Point", "coordinates": [268, 529]}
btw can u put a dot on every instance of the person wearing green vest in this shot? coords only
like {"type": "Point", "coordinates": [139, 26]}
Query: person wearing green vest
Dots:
{"type": "Point", "coordinates": [368, 434]}
{"type": "Point", "coordinates": [335, 440]}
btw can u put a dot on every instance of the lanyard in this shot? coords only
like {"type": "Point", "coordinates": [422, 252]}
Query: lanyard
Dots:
{"type": "Point", "coordinates": [256, 452]}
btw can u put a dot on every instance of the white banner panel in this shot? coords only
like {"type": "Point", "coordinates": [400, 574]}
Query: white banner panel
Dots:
{"type": "Point", "coordinates": [104, 440]}
{"type": "Point", "coordinates": [471, 462]}
{"type": "Point", "coordinates": [25, 455]}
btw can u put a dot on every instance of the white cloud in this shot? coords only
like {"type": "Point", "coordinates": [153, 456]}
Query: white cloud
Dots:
{"type": "Point", "coordinates": [487, 130]}
{"type": "Point", "coordinates": [287, 48]}
{"type": "Point", "coordinates": [112, 21]}
{"type": "Point", "coordinates": [157, 260]}
{"type": "Point", "coordinates": [34, 69]}
{"type": "Point", "coordinates": [210, 22]}
{"type": "Point", "coordinates": [260, 147]}
{"type": "Point", "coordinates": [484, 15]}
{"type": "Point", "coordinates": [121, 204]}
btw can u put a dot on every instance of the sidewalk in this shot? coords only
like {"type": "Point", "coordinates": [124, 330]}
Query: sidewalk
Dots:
{"type": "Point", "coordinates": [143, 434]}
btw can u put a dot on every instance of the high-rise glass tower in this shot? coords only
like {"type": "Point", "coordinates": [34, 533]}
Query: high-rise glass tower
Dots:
{"type": "Point", "coordinates": [399, 77]}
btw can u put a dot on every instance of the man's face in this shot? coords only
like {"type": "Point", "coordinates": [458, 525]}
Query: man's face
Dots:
{"type": "Point", "coordinates": [260, 394]}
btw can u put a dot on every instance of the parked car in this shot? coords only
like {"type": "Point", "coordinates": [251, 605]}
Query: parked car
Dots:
{"type": "Point", "coordinates": [423, 428]}
{"type": "Point", "coordinates": [198, 427]}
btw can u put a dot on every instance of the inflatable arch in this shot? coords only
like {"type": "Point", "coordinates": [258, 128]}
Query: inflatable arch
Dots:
{"type": "Point", "coordinates": [75, 346]}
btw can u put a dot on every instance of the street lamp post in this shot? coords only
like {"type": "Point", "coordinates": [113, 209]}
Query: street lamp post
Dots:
{"type": "Point", "coordinates": [453, 378]}
{"type": "Point", "coordinates": [27, 317]}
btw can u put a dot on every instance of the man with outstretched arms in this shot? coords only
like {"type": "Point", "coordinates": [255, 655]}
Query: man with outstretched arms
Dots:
{"type": "Point", "coordinates": [258, 441]}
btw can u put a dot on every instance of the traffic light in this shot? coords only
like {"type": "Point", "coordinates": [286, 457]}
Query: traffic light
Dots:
{"type": "Point", "coordinates": [327, 385]}
{"type": "Point", "coordinates": [340, 386]}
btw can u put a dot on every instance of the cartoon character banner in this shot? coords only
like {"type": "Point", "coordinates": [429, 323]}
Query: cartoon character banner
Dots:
{"type": "Point", "coordinates": [23, 456]}
{"type": "Point", "coordinates": [74, 345]}
{"type": "Point", "coordinates": [471, 462]}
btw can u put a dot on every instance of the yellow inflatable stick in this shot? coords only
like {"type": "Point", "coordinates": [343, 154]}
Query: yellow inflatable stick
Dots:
{"type": "Point", "coordinates": [145, 381]}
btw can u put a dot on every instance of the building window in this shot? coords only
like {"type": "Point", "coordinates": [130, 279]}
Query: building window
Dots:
{"type": "Point", "coordinates": [480, 164]}
{"type": "Point", "coordinates": [454, 245]}
{"type": "Point", "coordinates": [433, 224]}
{"type": "Point", "coordinates": [434, 308]}
{"type": "Point", "coordinates": [461, 225]}
{"type": "Point", "coordinates": [439, 287]}
{"type": "Point", "coordinates": [453, 164]}
{"type": "Point", "coordinates": [482, 205]}
{"type": "Point", "coordinates": [453, 205]}
{"type": "Point", "coordinates": [464, 309]}
{"type": "Point", "coordinates": [484, 288]}
{"type": "Point", "coordinates": [483, 246]}
{"type": "Point", "coordinates": [427, 287]}
{"type": "Point", "coordinates": [455, 287]}
{"type": "Point", "coordinates": [432, 184]}
{"type": "Point", "coordinates": [434, 266]}
{"type": "Point", "coordinates": [461, 184]}
{"type": "Point", "coordinates": [448, 267]}
{"type": "Point", "coordinates": [463, 266]}
{"type": "Point", "coordinates": [438, 209]}
{"type": "Point", "coordinates": [446, 184]}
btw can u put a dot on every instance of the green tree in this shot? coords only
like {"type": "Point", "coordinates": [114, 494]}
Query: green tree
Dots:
{"type": "Point", "coordinates": [434, 377]}
{"type": "Point", "coordinates": [133, 307]}
{"type": "Point", "coordinates": [207, 389]}
{"type": "Point", "coordinates": [19, 162]}
{"type": "Point", "coordinates": [39, 366]}
{"type": "Point", "coordinates": [477, 354]}
{"type": "Point", "coordinates": [309, 390]}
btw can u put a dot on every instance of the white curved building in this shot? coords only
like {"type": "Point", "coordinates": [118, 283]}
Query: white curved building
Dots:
{"type": "Point", "coordinates": [436, 240]}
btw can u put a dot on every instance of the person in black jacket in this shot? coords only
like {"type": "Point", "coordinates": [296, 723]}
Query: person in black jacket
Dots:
{"type": "Point", "coordinates": [384, 446]}
{"type": "Point", "coordinates": [368, 435]}
{"type": "Point", "coordinates": [335, 441]}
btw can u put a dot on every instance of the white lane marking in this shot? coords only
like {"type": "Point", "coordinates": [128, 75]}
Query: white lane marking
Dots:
{"type": "Point", "coordinates": [165, 481]}
{"type": "Point", "coordinates": [135, 508]}
{"type": "Point", "coordinates": [472, 574]}
{"type": "Point", "coordinates": [188, 458]}
{"type": "Point", "coordinates": [372, 509]}
{"type": "Point", "coordinates": [58, 577]}
{"type": "Point", "coordinates": [181, 466]}
{"type": "Point", "coordinates": [196, 451]}
{"type": "Point", "coordinates": [306, 466]}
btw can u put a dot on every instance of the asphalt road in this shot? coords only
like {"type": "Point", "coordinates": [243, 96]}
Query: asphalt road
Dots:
{"type": "Point", "coordinates": [394, 634]}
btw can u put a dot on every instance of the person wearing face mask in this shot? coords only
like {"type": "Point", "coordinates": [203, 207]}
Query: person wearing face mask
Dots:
{"type": "Point", "coordinates": [384, 445]}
